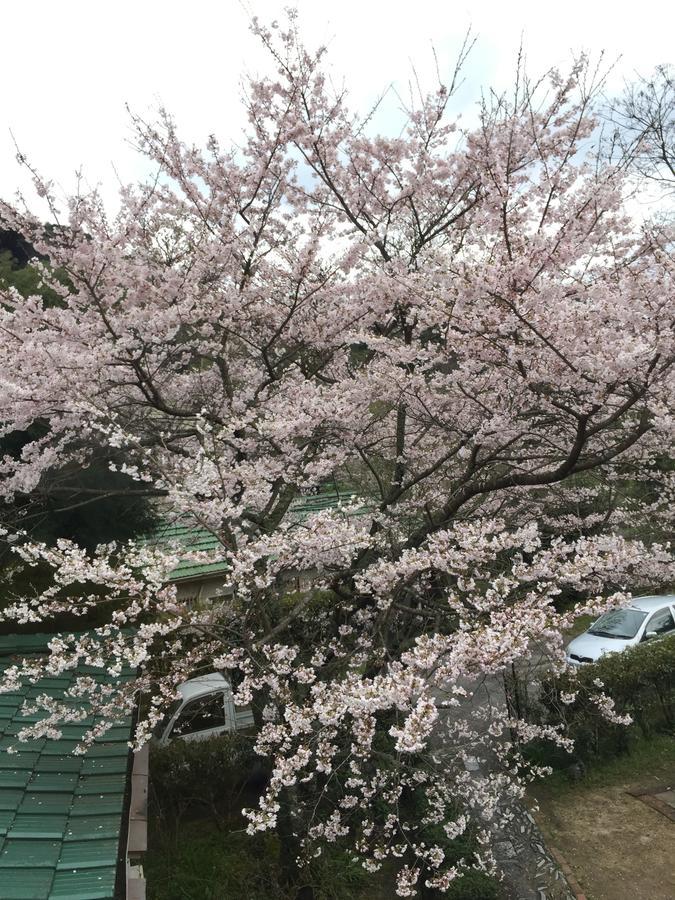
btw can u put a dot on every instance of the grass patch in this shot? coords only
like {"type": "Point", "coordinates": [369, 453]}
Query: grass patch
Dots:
{"type": "Point", "coordinates": [202, 861]}
{"type": "Point", "coordinates": [616, 845]}
{"type": "Point", "coordinates": [653, 758]}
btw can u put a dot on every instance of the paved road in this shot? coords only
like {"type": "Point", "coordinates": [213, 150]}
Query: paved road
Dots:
{"type": "Point", "coordinates": [528, 869]}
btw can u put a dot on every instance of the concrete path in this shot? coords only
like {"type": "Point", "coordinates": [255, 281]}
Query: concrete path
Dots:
{"type": "Point", "coordinates": [529, 870]}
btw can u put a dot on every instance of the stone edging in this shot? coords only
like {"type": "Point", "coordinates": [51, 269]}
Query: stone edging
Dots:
{"type": "Point", "coordinates": [565, 868]}
{"type": "Point", "coordinates": [648, 796]}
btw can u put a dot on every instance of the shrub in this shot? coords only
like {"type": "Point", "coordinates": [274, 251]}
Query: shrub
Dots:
{"type": "Point", "coordinates": [641, 684]}
{"type": "Point", "coordinates": [208, 775]}
{"type": "Point", "coordinates": [198, 848]}
{"type": "Point", "coordinates": [202, 862]}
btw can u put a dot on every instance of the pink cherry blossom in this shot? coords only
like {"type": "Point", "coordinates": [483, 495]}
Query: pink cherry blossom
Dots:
{"type": "Point", "coordinates": [463, 331]}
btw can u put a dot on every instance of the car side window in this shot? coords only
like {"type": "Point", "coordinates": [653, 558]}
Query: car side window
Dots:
{"type": "Point", "coordinates": [661, 622]}
{"type": "Point", "coordinates": [201, 714]}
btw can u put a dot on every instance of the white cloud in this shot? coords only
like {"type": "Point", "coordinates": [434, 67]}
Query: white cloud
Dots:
{"type": "Point", "coordinates": [71, 66]}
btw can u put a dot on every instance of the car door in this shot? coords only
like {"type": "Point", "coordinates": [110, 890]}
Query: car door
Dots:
{"type": "Point", "coordinates": [200, 718]}
{"type": "Point", "coordinates": [660, 624]}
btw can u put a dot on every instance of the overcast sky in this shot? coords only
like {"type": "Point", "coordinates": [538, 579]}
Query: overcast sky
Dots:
{"type": "Point", "coordinates": [70, 66]}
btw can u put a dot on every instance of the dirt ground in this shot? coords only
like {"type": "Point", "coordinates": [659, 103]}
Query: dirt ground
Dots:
{"type": "Point", "coordinates": [616, 845]}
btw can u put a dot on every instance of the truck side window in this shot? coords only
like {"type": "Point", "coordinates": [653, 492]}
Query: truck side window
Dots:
{"type": "Point", "coordinates": [201, 714]}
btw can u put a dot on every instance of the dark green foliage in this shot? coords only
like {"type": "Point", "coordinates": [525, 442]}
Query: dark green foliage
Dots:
{"type": "Point", "coordinates": [474, 886]}
{"type": "Point", "coordinates": [198, 845]}
{"type": "Point", "coordinates": [335, 875]}
{"type": "Point", "coordinates": [460, 851]}
{"type": "Point", "coordinates": [207, 776]}
{"type": "Point", "coordinates": [23, 581]}
{"type": "Point", "coordinates": [16, 246]}
{"type": "Point", "coordinates": [203, 862]}
{"type": "Point", "coordinates": [26, 280]}
{"type": "Point", "coordinates": [640, 681]}
{"type": "Point", "coordinates": [86, 503]}
{"type": "Point", "coordinates": [17, 272]}
{"type": "Point", "coordinates": [199, 851]}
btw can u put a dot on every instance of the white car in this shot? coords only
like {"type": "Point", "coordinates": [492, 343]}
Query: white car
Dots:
{"type": "Point", "coordinates": [204, 709]}
{"type": "Point", "coordinates": [645, 619]}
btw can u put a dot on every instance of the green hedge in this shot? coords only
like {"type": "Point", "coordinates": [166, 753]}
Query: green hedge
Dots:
{"type": "Point", "coordinates": [641, 683]}
{"type": "Point", "coordinates": [199, 851]}
{"type": "Point", "coordinates": [204, 862]}
{"type": "Point", "coordinates": [198, 777]}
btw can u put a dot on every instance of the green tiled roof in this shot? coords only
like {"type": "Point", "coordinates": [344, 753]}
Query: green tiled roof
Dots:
{"type": "Point", "coordinates": [194, 539]}
{"type": "Point", "coordinates": [197, 539]}
{"type": "Point", "coordinates": [60, 814]}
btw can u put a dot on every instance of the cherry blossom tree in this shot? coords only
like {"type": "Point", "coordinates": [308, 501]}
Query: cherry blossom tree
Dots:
{"type": "Point", "coordinates": [642, 122]}
{"type": "Point", "coordinates": [462, 329]}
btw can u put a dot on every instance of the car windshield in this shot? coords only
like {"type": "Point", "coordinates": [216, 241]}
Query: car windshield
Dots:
{"type": "Point", "coordinates": [619, 623]}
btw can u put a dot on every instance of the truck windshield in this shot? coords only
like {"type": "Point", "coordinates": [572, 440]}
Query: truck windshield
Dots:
{"type": "Point", "coordinates": [619, 623]}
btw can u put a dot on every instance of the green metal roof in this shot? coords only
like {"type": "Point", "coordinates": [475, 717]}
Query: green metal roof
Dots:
{"type": "Point", "coordinates": [195, 539]}
{"type": "Point", "coordinates": [60, 814]}
{"type": "Point", "coordinates": [198, 539]}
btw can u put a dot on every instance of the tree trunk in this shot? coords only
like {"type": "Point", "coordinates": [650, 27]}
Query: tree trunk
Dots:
{"type": "Point", "coordinates": [290, 872]}
{"type": "Point", "coordinates": [514, 699]}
